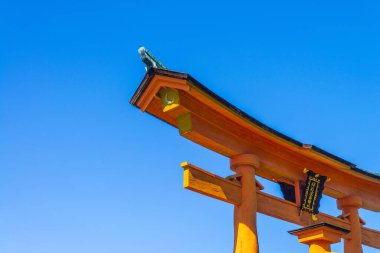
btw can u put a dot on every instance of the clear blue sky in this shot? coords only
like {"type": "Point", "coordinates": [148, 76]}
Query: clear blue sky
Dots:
{"type": "Point", "coordinates": [81, 170]}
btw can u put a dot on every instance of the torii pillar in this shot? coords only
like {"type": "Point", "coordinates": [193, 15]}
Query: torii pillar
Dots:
{"type": "Point", "coordinates": [246, 240]}
{"type": "Point", "coordinates": [350, 207]}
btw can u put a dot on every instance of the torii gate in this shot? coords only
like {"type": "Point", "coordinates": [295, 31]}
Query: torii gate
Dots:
{"type": "Point", "coordinates": [256, 149]}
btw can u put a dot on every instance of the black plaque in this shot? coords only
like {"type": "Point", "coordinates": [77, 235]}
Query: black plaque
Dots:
{"type": "Point", "coordinates": [312, 192]}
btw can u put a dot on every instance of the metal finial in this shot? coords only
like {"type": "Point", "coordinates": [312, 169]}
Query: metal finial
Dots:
{"type": "Point", "coordinates": [149, 60]}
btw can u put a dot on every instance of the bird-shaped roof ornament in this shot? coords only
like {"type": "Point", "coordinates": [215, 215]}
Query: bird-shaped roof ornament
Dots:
{"type": "Point", "coordinates": [149, 60]}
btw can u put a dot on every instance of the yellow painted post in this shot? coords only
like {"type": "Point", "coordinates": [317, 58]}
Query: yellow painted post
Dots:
{"type": "Point", "coordinates": [319, 247]}
{"type": "Point", "coordinates": [246, 240]}
{"type": "Point", "coordinates": [319, 237]}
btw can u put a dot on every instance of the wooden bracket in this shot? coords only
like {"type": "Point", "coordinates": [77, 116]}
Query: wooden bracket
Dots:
{"type": "Point", "coordinates": [346, 217]}
{"type": "Point", "coordinates": [236, 178]}
{"type": "Point", "coordinates": [169, 99]}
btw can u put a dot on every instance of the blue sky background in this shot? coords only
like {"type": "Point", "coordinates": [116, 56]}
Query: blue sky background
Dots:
{"type": "Point", "coordinates": [81, 170]}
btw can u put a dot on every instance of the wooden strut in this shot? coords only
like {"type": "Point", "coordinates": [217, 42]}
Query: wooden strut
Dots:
{"type": "Point", "coordinates": [206, 183]}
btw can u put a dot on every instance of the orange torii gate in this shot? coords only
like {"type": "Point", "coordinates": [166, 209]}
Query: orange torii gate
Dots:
{"type": "Point", "coordinates": [256, 149]}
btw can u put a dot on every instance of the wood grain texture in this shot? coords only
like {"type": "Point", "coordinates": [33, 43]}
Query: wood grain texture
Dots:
{"type": "Point", "coordinates": [227, 132]}
{"type": "Point", "coordinates": [206, 183]}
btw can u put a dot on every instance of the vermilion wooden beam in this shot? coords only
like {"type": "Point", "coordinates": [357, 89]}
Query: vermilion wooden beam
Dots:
{"type": "Point", "coordinates": [206, 119]}
{"type": "Point", "coordinates": [204, 182]}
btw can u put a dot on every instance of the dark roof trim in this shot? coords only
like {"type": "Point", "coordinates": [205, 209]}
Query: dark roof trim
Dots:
{"type": "Point", "coordinates": [153, 71]}
{"type": "Point", "coordinates": [323, 224]}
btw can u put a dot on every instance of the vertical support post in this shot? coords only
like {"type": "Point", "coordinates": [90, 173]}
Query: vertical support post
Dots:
{"type": "Point", "coordinates": [350, 206]}
{"type": "Point", "coordinates": [297, 192]}
{"type": "Point", "coordinates": [246, 240]}
{"type": "Point", "coordinates": [319, 247]}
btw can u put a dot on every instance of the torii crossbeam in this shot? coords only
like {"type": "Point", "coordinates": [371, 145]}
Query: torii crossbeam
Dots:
{"type": "Point", "coordinates": [256, 149]}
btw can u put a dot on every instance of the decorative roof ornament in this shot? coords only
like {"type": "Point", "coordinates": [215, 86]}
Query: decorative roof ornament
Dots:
{"type": "Point", "coordinates": [149, 60]}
